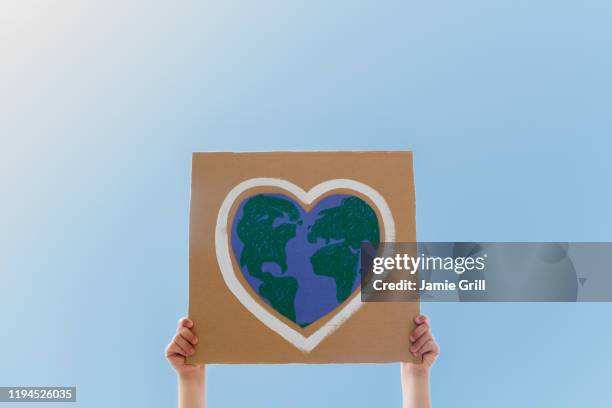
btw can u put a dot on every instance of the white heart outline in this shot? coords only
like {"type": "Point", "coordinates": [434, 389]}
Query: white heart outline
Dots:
{"type": "Point", "coordinates": [304, 343]}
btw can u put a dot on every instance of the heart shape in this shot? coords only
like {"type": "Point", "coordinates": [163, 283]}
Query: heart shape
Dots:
{"type": "Point", "coordinates": [302, 263]}
{"type": "Point", "coordinates": [290, 331]}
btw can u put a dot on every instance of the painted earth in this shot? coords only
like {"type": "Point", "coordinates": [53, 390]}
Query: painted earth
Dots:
{"type": "Point", "coordinates": [303, 264]}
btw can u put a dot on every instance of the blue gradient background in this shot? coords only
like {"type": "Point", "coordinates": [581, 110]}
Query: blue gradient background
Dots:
{"type": "Point", "coordinates": [506, 105]}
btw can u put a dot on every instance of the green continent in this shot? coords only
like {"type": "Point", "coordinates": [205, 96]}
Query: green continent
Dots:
{"type": "Point", "coordinates": [350, 223]}
{"type": "Point", "coordinates": [265, 242]}
{"type": "Point", "coordinates": [338, 262]}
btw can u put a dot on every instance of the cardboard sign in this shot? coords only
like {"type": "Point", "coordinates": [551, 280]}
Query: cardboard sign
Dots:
{"type": "Point", "coordinates": [274, 244]}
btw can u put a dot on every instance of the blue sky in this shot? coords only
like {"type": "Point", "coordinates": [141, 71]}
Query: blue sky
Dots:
{"type": "Point", "coordinates": [505, 105]}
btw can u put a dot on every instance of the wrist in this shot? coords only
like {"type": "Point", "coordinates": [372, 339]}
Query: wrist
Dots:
{"type": "Point", "coordinates": [413, 370]}
{"type": "Point", "coordinates": [195, 376]}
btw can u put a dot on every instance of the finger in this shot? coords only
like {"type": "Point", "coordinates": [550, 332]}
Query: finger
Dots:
{"type": "Point", "coordinates": [419, 343]}
{"type": "Point", "coordinates": [430, 346]}
{"type": "Point", "coordinates": [185, 322]}
{"type": "Point", "coordinates": [188, 335]}
{"type": "Point", "coordinates": [173, 349]}
{"type": "Point", "coordinates": [418, 352]}
{"type": "Point", "coordinates": [419, 331]}
{"type": "Point", "coordinates": [429, 358]}
{"type": "Point", "coordinates": [184, 345]}
{"type": "Point", "coordinates": [420, 319]}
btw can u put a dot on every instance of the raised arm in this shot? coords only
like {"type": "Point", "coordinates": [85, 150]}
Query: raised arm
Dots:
{"type": "Point", "coordinates": [415, 377]}
{"type": "Point", "coordinates": [191, 378]}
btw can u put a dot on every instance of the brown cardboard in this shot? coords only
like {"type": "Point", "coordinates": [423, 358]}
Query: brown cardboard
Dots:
{"type": "Point", "coordinates": [228, 331]}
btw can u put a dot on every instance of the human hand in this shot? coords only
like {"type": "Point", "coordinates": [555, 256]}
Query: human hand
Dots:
{"type": "Point", "coordinates": [422, 344]}
{"type": "Point", "coordinates": [181, 347]}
